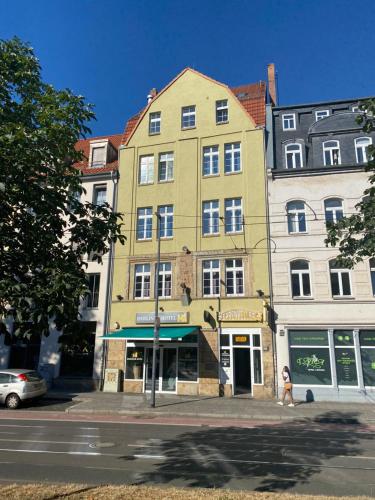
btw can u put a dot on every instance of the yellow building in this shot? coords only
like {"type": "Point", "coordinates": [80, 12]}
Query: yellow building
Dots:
{"type": "Point", "coordinates": [195, 157]}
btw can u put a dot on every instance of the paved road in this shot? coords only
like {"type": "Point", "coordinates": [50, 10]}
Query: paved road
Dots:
{"type": "Point", "coordinates": [296, 457]}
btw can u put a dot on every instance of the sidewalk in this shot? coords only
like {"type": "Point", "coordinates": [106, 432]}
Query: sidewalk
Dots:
{"type": "Point", "coordinates": [214, 407]}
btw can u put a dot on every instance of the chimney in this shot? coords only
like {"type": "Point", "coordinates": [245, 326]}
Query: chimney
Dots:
{"type": "Point", "coordinates": [151, 95]}
{"type": "Point", "coordinates": [272, 84]}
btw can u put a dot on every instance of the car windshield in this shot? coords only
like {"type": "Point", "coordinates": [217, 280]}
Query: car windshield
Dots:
{"type": "Point", "coordinates": [33, 376]}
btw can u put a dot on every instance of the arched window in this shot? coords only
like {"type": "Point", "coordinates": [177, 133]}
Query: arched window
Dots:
{"type": "Point", "coordinates": [333, 210]}
{"type": "Point", "coordinates": [300, 278]}
{"type": "Point", "coordinates": [361, 145]}
{"type": "Point", "coordinates": [331, 153]}
{"type": "Point", "coordinates": [293, 156]}
{"type": "Point", "coordinates": [372, 272]}
{"type": "Point", "coordinates": [296, 217]}
{"type": "Point", "coordinates": [340, 279]}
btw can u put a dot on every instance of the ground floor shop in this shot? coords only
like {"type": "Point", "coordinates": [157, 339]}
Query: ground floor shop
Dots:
{"type": "Point", "coordinates": [328, 363]}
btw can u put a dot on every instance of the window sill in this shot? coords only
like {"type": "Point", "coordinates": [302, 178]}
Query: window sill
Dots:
{"type": "Point", "coordinates": [144, 240]}
{"type": "Point", "coordinates": [289, 129]}
{"type": "Point", "coordinates": [231, 233]}
{"type": "Point", "coordinates": [302, 233]}
{"type": "Point", "coordinates": [168, 181]}
{"type": "Point", "coordinates": [303, 298]}
{"type": "Point", "coordinates": [142, 299]}
{"type": "Point", "coordinates": [166, 238]}
{"type": "Point", "coordinates": [222, 123]}
{"type": "Point", "coordinates": [146, 183]}
{"type": "Point", "coordinates": [208, 176]}
{"type": "Point", "coordinates": [188, 128]}
{"type": "Point", "coordinates": [154, 133]}
{"type": "Point", "coordinates": [210, 235]}
{"type": "Point", "coordinates": [233, 173]}
{"type": "Point", "coordinates": [343, 297]}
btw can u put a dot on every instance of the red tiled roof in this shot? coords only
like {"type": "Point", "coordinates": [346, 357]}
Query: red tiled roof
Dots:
{"type": "Point", "coordinates": [253, 99]}
{"type": "Point", "coordinates": [84, 146]}
{"type": "Point", "coordinates": [251, 96]}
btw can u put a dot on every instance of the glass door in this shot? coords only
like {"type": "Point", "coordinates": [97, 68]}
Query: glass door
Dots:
{"type": "Point", "coordinates": [148, 371]}
{"type": "Point", "coordinates": [169, 369]}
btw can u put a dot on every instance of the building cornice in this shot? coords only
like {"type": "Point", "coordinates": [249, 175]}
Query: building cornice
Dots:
{"type": "Point", "coordinates": [314, 171]}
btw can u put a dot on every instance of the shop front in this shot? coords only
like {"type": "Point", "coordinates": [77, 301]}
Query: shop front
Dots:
{"type": "Point", "coordinates": [331, 363]}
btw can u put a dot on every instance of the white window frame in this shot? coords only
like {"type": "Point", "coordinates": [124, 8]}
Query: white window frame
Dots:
{"type": "Point", "coordinates": [293, 154]}
{"type": "Point", "coordinates": [146, 217]}
{"type": "Point", "coordinates": [333, 210]}
{"type": "Point", "coordinates": [166, 217]}
{"type": "Point", "coordinates": [98, 163]}
{"type": "Point", "coordinates": [321, 113]}
{"type": "Point", "coordinates": [188, 113]}
{"type": "Point", "coordinates": [355, 109]}
{"type": "Point", "coordinates": [213, 217]}
{"type": "Point", "coordinates": [293, 217]}
{"type": "Point", "coordinates": [221, 107]}
{"type": "Point", "coordinates": [300, 273]}
{"type": "Point", "coordinates": [154, 125]}
{"type": "Point", "coordinates": [289, 121]}
{"type": "Point", "coordinates": [92, 301]}
{"type": "Point", "coordinates": [234, 269]}
{"type": "Point", "coordinates": [230, 151]}
{"type": "Point", "coordinates": [340, 272]}
{"type": "Point", "coordinates": [363, 148]}
{"type": "Point", "coordinates": [166, 164]}
{"type": "Point", "coordinates": [146, 169]}
{"type": "Point", "coordinates": [372, 272]}
{"type": "Point", "coordinates": [233, 212]}
{"type": "Point", "coordinates": [164, 286]}
{"type": "Point", "coordinates": [211, 276]}
{"type": "Point", "coordinates": [210, 154]}
{"type": "Point", "coordinates": [99, 188]}
{"type": "Point", "coordinates": [144, 272]}
{"type": "Point", "coordinates": [330, 150]}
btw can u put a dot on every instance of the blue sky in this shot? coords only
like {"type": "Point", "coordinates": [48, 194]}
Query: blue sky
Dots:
{"type": "Point", "coordinates": [114, 51]}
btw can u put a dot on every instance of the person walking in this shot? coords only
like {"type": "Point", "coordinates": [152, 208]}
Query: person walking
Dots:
{"type": "Point", "coordinates": [288, 387]}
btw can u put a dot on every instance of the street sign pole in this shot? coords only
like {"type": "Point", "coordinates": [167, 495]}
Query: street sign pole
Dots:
{"type": "Point", "coordinates": [155, 345]}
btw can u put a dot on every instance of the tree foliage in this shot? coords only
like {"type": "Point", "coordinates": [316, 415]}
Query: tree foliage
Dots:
{"type": "Point", "coordinates": [354, 235]}
{"type": "Point", "coordinates": [45, 230]}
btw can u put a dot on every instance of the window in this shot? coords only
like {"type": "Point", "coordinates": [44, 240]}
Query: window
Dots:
{"type": "Point", "coordinates": [296, 217]}
{"type": "Point", "coordinates": [134, 363]}
{"type": "Point", "coordinates": [319, 115]}
{"type": "Point", "coordinates": [361, 145]}
{"type": "Point", "coordinates": [188, 363]}
{"type": "Point", "coordinates": [372, 272]}
{"type": "Point", "coordinates": [300, 278]}
{"type": "Point", "coordinates": [146, 170]}
{"type": "Point", "coordinates": [233, 215]}
{"type": "Point", "coordinates": [355, 109]}
{"type": "Point", "coordinates": [166, 162]}
{"type": "Point", "coordinates": [331, 153]}
{"type": "Point", "coordinates": [166, 221]}
{"type": "Point", "coordinates": [211, 217]}
{"type": "Point", "coordinates": [293, 156]}
{"type": "Point", "coordinates": [99, 195]}
{"type": "Point", "coordinates": [333, 210]}
{"type": "Point", "coordinates": [93, 285]}
{"type": "Point", "coordinates": [222, 111]}
{"type": "Point", "coordinates": [232, 158]}
{"type": "Point", "coordinates": [154, 124]}
{"type": "Point", "coordinates": [210, 160]}
{"type": "Point", "coordinates": [234, 277]}
{"type": "Point", "coordinates": [142, 279]}
{"type": "Point", "coordinates": [340, 280]}
{"type": "Point", "coordinates": [144, 223]}
{"type": "Point", "coordinates": [98, 156]}
{"type": "Point", "coordinates": [188, 117]}
{"type": "Point", "coordinates": [289, 122]}
{"type": "Point", "coordinates": [211, 278]}
{"type": "Point", "coordinates": [165, 280]}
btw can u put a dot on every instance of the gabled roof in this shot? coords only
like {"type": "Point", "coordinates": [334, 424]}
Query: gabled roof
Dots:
{"type": "Point", "coordinates": [252, 97]}
{"type": "Point", "coordinates": [84, 146]}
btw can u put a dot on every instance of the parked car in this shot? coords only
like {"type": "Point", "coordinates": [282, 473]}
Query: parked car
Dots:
{"type": "Point", "coordinates": [19, 385]}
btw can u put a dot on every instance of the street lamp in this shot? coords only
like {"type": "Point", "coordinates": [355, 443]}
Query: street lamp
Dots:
{"type": "Point", "coordinates": [155, 345]}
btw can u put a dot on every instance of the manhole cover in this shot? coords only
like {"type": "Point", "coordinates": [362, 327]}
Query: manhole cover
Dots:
{"type": "Point", "coordinates": [101, 445]}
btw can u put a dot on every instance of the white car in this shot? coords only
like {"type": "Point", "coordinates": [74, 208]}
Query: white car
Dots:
{"type": "Point", "coordinates": [19, 385]}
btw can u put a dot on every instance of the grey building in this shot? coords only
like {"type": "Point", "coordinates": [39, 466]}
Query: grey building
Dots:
{"type": "Point", "coordinates": [324, 314]}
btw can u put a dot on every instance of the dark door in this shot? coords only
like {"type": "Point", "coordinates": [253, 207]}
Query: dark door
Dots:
{"type": "Point", "coordinates": [242, 372]}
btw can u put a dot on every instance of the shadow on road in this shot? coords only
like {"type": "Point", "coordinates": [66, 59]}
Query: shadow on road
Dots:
{"type": "Point", "coordinates": [276, 457]}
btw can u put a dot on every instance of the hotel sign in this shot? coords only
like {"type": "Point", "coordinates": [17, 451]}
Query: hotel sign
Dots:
{"type": "Point", "coordinates": [165, 317]}
{"type": "Point", "coordinates": [240, 315]}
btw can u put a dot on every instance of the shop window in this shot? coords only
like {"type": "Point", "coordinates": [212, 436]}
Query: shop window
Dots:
{"type": "Point", "coordinates": [346, 366]}
{"type": "Point", "coordinates": [256, 340]}
{"type": "Point", "coordinates": [134, 363]}
{"type": "Point", "coordinates": [309, 357]}
{"type": "Point", "coordinates": [367, 343]}
{"type": "Point", "coordinates": [257, 362]}
{"type": "Point", "coordinates": [188, 364]}
{"type": "Point", "coordinates": [224, 339]}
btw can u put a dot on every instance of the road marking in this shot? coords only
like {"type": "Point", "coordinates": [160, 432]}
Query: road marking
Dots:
{"type": "Point", "coordinates": [52, 452]}
{"type": "Point", "coordinates": [86, 435]}
{"type": "Point", "coordinates": [44, 442]}
{"type": "Point", "coordinates": [15, 425]}
{"type": "Point", "coordinates": [158, 457]}
{"type": "Point", "coordinates": [89, 428]}
{"type": "Point", "coordinates": [361, 457]}
{"type": "Point", "coordinates": [143, 445]}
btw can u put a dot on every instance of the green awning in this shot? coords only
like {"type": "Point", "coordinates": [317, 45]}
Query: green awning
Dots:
{"type": "Point", "coordinates": [147, 333]}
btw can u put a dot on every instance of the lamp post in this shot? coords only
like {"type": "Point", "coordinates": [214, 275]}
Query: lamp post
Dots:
{"type": "Point", "coordinates": [155, 345]}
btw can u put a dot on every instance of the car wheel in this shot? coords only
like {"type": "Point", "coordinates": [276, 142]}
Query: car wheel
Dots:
{"type": "Point", "coordinates": [12, 401]}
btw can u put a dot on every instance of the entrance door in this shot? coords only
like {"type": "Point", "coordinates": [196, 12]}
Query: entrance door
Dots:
{"type": "Point", "coordinates": [166, 369]}
{"type": "Point", "coordinates": [242, 371]}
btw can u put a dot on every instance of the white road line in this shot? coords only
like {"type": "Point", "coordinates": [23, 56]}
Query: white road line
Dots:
{"type": "Point", "coordinates": [158, 457]}
{"type": "Point", "coordinates": [15, 425]}
{"type": "Point", "coordinates": [144, 445]}
{"type": "Point", "coordinates": [86, 435]}
{"type": "Point", "coordinates": [44, 442]}
{"type": "Point", "coordinates": [52, 452]}
{"type": "Point", "coordinates": [89, 428]}
{"type": "Point", "coordinates": [354, 456]}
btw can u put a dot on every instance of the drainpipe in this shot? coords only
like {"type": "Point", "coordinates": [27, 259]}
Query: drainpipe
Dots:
{"type": "Point", "coordinates": [115, 175]}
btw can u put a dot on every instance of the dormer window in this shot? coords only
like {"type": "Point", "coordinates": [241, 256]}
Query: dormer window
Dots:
{"type": "Point", "coordinates": [331, 153]}
{"type": "Point", "coordinates": [322, 113]}
{"type": "Point", "coordinates": [289, 122]}
{"type": "Point", "coordinates": [293, 156]}
{"type": "Point", "coordinates": [98, 156]}
{"type": "Point", "coordinates": [361, 145]}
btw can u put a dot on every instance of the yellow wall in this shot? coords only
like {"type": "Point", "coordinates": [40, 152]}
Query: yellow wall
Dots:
{"type": "Point", "coordinates": [187, 192]}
